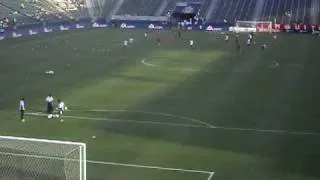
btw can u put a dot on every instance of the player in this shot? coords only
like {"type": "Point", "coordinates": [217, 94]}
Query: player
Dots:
{"type": "Point", "coordinates": [22, 108]}
{"type": "Point", "coordinates": [249, 42]}
{"type": "Point", "coordinates": [191, 44]}
{"type": "Point", "coordinates": [49, 101]}
{"type": "Point", "coordinates": [226, 38]}
{"type": "Point", "coordinates": [158, 40]}
{"type": "Point", "coordinates": [61, 108]}
{"type": "Point", "coordinates": [131, 40]}
{"type": "Point", "coordinates": [275, 37]}
{"type": "Point", "coordinates": [179, 34]}
{"type": "Point", "coordinates": [264, 46]}
{"type": "Point", "coordinates": [145, 34]}
{"type": "Point", "coordinates": [125, 43]}
{"type": "Point", "coordinates": [250, 36]}
{"type": "Point", "coordinates": [238, 43]}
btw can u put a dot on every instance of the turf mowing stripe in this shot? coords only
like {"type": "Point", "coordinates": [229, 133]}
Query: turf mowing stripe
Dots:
{"type": "Point", "coordinates": [299, 133]}
{"type": "Point", "coordinates": [143, 61]}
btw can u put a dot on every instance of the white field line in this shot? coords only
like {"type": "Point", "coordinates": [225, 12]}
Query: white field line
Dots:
{"type": "Point", "coordinates": [124, 121]}
{"type": "Point", "coordinates": [156, 114]}
{"type": "Point", "coordinates": [110, 163]}
{"type": "Point", "coordinates": [257, 130]}
{"type": "Point", "coordinates": [151, 167]}
{"type": "Point", "coordinates": [210, 176]}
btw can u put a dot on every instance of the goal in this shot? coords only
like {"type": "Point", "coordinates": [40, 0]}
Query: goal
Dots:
{"type": "Point", "coordinates": [254, 26]}
{"type": "Point", "coordinates": [41, 159]}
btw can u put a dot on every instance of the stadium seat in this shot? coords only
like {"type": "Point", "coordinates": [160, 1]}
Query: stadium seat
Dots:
{"type": "Point", "coordinates": [284, 11]}
{"type": "Point", "coordinates": [139, 7]}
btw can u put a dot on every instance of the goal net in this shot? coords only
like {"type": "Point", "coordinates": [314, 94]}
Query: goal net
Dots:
{"type": "Point", "coordinates": [39, 159]}
{"type": "Point", "coordinates": [254, 26]}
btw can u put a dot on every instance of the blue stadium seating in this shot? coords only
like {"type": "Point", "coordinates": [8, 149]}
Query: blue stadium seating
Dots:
{"type": "Point", "coordinates": [283, 11]}
{"type": "Point", "coordinates": [139, 7]}
{"type": "Point", "coordinates": [233, 10]}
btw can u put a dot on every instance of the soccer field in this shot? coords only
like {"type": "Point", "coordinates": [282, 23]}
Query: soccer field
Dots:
{"type": "Point", "coordinates": [169, 111]}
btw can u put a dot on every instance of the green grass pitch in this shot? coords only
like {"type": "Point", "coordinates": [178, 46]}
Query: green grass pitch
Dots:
{"type": "Point", "coordinates": [243, 115]}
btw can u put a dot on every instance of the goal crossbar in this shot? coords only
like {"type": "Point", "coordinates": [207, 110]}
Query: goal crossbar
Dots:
{"type": "Point", "coordinates": [42, 140]}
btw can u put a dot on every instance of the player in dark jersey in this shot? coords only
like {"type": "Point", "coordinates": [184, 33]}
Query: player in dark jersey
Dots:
{"type": "Point", "coordinates": [158, 40]}
{"type": "Point", "coordinates": [238, 43]}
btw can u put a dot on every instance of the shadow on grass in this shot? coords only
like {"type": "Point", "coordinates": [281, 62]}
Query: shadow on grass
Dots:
{"type": "Point", "coordinates": [260, 97]}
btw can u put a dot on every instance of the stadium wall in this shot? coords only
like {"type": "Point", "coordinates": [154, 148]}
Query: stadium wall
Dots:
{"type": "Point", "coordinates": [280, 28]}
{"type": "Point", "coordinates": [150, 25]}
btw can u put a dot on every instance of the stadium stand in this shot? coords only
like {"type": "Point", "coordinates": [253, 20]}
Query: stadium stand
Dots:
{"type": "Point", "coordinates": [33, 11]}
{"type": "Point", "coordinates": [281, 11]}
{"type": "Point", "coordinates": [139, 7]}
{"type": "Point", "coordinates": [170, 7]}
{"type": "Point", "coordinates": [287, 11]}
{"type": "Point", "coordinates": [12, 16]}
{"type": "Point", "coordinates": [233, 10]}
{"type": "Point", "coordinates": [205, 6]}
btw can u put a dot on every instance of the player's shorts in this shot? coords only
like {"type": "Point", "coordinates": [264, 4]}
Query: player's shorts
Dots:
{"type": "Point", "coordinates": [49, 108]}
{"type": "Point", "coordinates": [60, 110]}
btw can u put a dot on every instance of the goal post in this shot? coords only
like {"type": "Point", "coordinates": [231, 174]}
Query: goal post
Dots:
{"type": "Point", "coordinates": [253, 26]}
{"type": "Point", "coordinates": [37, 159]}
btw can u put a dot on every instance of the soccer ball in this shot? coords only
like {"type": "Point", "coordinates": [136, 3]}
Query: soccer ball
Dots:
{"type": "Point", "coordinates": [66, 108]}
{"type": "Point", "coordinates": [50, 116]}
{"type": "Point", "coordinates": [23, 120]}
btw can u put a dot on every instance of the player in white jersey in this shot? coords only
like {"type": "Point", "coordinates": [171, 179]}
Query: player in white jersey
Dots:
{"type": "Point", "coordinates": [275, 37]}
{"type": "Point", "coordinates": [22, 108]}
{"type": "Point", "coordinates": [264, 46]}
{"type": "Point", "coordinates": [191, 44]}
{"type": "Point", "coordinates": [145, 34]}
{"type": "Point", "coordinates": [226, 38]}
{"type": "Point", "coordinates": [249, 42]}
{"type": "Point", "coordinates": [131, 40]}
{"type": "Point", "coordinates": [61, 108]}
{"type": "Point", "coordinates": [125, 43]}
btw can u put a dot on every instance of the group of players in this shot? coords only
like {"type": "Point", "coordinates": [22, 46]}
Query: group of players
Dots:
{"type": "Point", "coordinates": [178, 35]}
{"type": "Point", "coordinates": [50, 108]}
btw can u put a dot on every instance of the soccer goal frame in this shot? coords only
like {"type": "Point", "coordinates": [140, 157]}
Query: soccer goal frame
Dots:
{"type": "Point", "coordinates": [31, 147]}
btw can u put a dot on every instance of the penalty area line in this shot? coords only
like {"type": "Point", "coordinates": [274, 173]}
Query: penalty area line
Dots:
{"type": "Point", "coordinates": [124, 121]}
{"type": "Point", "coordinates": [153, 167]}
{"type": "Point", "coordinates": [210, 175]}
{"type": "Point", "coordinates": [252, 130]}
{"type": "Point", "coordinates": [156, 114]}
{"type": "Point", "coordinates": [111, 163]}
